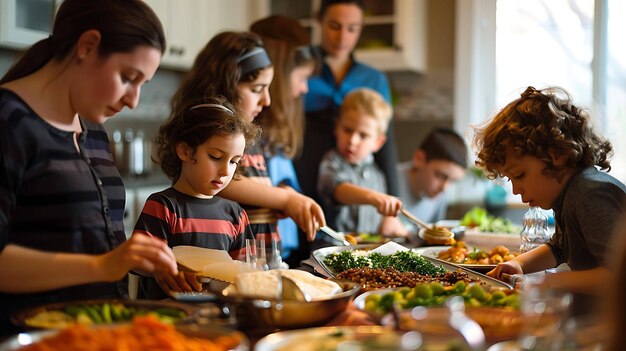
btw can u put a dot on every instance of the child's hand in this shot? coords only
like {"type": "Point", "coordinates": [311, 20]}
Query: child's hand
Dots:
{"type": "Point", "coordinates": [392, 226]}
{"type": "Point", "coordinates": [307, 214]}
{"type": "Point", "coordinates": [386, 205]}
{"type": "Point", "coordinates": [505, 270]}
{"type": "Point", "coordinates": [183, 281]}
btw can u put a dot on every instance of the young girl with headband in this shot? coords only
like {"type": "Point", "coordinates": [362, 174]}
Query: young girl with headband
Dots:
{"type": "Point", "coordinates": [237, 66]}
{"type": "Point", "coordinates": [294, 60]}
{"type": "Point", "coordinates": [199, 150]}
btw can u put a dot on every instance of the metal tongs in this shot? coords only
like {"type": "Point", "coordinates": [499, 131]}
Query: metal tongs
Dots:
{"type": "Point", "coordinates": [335, 235]}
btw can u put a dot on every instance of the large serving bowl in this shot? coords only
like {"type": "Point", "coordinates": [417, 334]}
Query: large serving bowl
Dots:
{"type": "Point", "coordinates": [21, 318]}
{"type": "Point", "coordinates": [268, 314]}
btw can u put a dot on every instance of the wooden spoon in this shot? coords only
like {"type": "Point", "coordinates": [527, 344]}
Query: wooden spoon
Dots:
{"type": "Point", "coordinates": [416, 220]}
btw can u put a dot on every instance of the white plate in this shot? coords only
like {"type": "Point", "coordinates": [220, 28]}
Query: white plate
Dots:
{"type": "Point", "coordinates": [510, 345]}
{"type": "Point", "coordinates": [488, 239]}
{"type": "Point", "coordinates": [433, 251]}
{"type": "Point", "coordinates": [327, 338]}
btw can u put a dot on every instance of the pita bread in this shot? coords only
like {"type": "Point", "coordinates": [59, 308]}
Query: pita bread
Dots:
{"type": "Point", "coordinates": [210, 263]}
{"type": "Point", "coordinates": [264, 284]}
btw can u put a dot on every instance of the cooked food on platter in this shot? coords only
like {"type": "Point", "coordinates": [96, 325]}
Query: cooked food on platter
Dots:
{"type": "Point", "coordinates": [145, 333]}
{"type": "Point", "coordinates": [392, 265]}
{"type": "Point", "coordinates": [88, 312]}
{"type": "Point", "coordinates": [376, 278]}
{"type": "Point", "coordinates": [403, 261]}
{"type": "Point", "coordinates": [468, 256]}
{"type": "Point", "coordinates": [462, 253]}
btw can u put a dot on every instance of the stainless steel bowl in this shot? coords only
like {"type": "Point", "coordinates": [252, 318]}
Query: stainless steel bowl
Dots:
{"type": "Point", "coordinates": [265, 314]}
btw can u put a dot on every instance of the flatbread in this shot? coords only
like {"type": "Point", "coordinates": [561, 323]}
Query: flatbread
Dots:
{"type": "Point", "coordinates": [209, 263]}
{"type": "Point", "coordinates": [264, 284]}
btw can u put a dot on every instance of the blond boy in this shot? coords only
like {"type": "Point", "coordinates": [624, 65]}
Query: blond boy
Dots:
{"type": "Point", "coordinates": [352, 187]}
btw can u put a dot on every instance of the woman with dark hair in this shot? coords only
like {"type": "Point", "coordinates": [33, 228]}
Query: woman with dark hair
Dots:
{"type": "Point", "coordinates": [341, 22]}
{"type": "Point", "coordinates": [61, 197]}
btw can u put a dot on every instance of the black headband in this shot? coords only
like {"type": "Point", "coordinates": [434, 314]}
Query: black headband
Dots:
{"type": "Point", "coordinates": [254, 59]}
{"type": "Point", "coordinates": [307, 52]}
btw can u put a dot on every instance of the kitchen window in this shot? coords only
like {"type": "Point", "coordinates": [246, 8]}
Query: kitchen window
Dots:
{"type": "Point", "coordinates": [505, 45]}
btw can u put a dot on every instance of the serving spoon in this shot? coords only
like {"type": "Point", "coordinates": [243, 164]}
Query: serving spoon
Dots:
{"type": "Point", "coordinates": [335, 235]}
{"type": "Point", "coordinates": [415, 220]}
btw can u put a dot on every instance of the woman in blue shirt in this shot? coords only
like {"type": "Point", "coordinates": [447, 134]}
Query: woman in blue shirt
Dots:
{"type": "Point", "coordinates": [341, 22]}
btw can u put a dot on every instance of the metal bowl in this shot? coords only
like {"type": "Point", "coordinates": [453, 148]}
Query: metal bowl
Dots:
{"type": "Point", "coordinates": [266, 314]}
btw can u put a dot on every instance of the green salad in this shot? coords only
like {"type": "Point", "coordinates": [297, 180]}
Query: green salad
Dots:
{"type": "Point", "coordinates": [481, 220]}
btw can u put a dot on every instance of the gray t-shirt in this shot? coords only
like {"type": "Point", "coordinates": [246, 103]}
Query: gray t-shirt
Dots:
{"type": "Point", "coordinates": [333, 171]}
{"type": "Point", "coordinates": [587, 214]}
{"type": "Point", "coordinates": [429, 209]}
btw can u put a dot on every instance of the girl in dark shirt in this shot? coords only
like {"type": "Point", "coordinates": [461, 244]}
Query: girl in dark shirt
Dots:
{"type": "Point", "coordinates": [61, 198]}
{"type": "Point", "coordinates": [547, 148]}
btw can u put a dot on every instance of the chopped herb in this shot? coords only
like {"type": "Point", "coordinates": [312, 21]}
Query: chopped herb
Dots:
{"type": "Point", "coordinates": [403, 261]}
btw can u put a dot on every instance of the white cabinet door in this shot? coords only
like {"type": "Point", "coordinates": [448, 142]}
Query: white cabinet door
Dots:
{"type": "Point", "coordinates": [391, 41]}
{"type": "Point", "coordinates": [177, 30]}
{"type": "Point", "coordinates": [190, 24]}
{"type": "Point", "coordinates": [409, 35]}
{"type": "Point", "coordinates": [25, 22]}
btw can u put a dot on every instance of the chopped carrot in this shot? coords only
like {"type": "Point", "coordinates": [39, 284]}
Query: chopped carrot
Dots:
{"type": "Point", "coordinates": [145, 333]}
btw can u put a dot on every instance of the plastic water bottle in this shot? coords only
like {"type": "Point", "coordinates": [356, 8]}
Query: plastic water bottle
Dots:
{"type": "Point", "coordinates": [535, 229]}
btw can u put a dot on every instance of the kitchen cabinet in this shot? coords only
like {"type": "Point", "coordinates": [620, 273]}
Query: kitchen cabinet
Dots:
{"type": "Point", "coordinates": [394, 32]}
{"type": "Point", "coordinates": [25, 22]}
{"type": "Point", "coordinates": [190, 24]}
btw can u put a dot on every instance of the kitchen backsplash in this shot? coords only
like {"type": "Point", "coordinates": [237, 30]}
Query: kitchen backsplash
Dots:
{"type": "Point", "coordinates": [427, 96]}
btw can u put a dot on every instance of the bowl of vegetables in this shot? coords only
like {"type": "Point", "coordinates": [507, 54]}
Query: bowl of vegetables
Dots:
{"type": "Point", "coordinates": [99, 312]}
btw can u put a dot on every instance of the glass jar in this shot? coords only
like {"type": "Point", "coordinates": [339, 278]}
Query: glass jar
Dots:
{"type": "Point", "coordinates": [535, 229]}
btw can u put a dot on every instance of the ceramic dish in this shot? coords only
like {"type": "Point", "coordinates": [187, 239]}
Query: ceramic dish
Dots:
{"type": "Point", "coordinates": [20, 340]}
{"type": "Point", "coordinates": [436, 240]}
